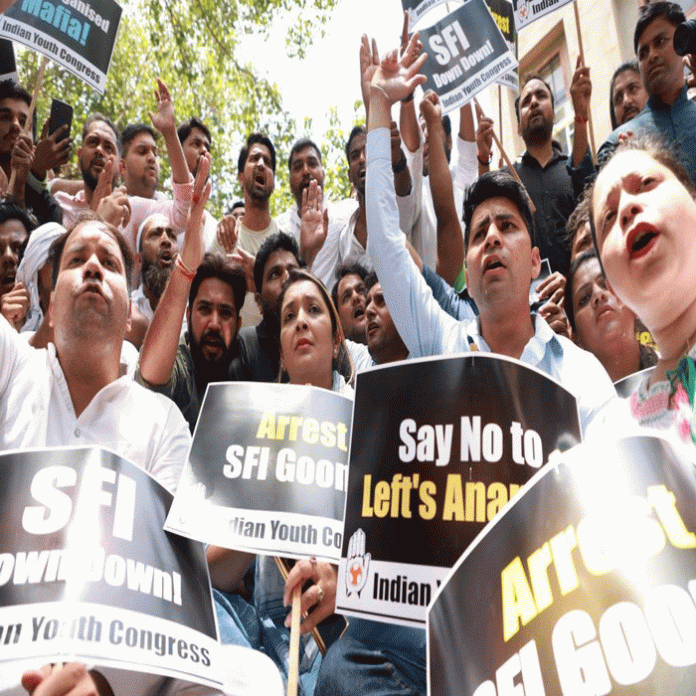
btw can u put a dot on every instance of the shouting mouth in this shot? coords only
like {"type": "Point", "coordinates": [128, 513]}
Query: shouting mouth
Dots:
{"type": "Point", "coordinates": [641, 240]}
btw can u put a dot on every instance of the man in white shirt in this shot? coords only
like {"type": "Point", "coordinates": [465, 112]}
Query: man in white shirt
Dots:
{"type": "Point", "coordinates": [157, 247]}
{"type": "Point", "coordinates": [306, 166]}
{"type": "Point", "coordinates": [72, 393]}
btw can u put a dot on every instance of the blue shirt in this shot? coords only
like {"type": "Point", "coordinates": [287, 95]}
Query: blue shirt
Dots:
{"type": "Point", "coordinates": [674, 123]}
{"type": "Point", "coordinates": [426, 329]}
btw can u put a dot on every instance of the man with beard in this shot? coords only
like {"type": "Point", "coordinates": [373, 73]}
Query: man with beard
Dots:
{"type": "Point", "coordinates": [98, 157]}
{"type": "Point", "coordinates": [100, 145]}
{"type": "Point", "coordinates": [348, 296]}
{"type": "Point", "coordinates": [305, 166]}
{"type": "Point", "coordinates": [15, 227]}
{"type": "Point", "coordinates": [182, 369]}
{"type": "Point", "coordinates": [554, 181]}
{"type": "Point", "coordinates": [259, 352]}
{"type": "Point", "coordinates": [157, 249]}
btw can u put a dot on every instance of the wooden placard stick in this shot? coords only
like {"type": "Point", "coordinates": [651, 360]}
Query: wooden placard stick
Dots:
{"type": "Point", "coordinates": [590, 127]}
{"type": "Point", "coordinates": [499, 145]}
{"type": "Point", "coordinates": [19, 199]}
{"type": "Point", "coordinates": [294, 653]}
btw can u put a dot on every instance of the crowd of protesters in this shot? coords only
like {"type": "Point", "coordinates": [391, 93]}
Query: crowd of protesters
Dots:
{"type": "Point", "coordinates": [120, 304]}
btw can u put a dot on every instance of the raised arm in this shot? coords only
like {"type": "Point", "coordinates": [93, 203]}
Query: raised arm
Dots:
{"type": "Point", "coordinates": [420, 321]}
{"type": "Point", "coordinates": [158, 353]}
{"type": "Point", "coordinates": [580, 92]}
{"type": "Point", "coordinates": [408, 120]}
{"type": "Point", "coordinates": [165, 122]}
{"type": "Point", "coordinates": [450, 244]}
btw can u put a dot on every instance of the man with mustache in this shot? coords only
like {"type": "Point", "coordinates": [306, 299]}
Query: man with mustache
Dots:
{"type": "Point", "coordinates": [306, 166]}
{"type": "Point", "coordinates": [98, 159]}
{"type": "Point", "coordinates": [157, 250]}
{"type": "Point", "coordinates": [182, 369]}
{"type": "Point", "coordinates": [553, 180]}
{"type": "Point", "coordinates": [627, 96]}
{"type": "Point", "coordinates": [668, 113]}
{"type": "Point", "coordinates": [100, 145]}
{"type": "Point", "coordinates": [140, 164]}
{"type": "Point", "coordinates": [349, 296]}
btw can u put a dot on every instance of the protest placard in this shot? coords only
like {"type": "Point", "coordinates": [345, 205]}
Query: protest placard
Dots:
{"type": "Point", "coordinates": [87, 572]}
{"type": "Point", "coordinates": [466, 53]}
{"type": "Point", "coordinates": [502, 13]}
{"type": "Point", "coordinates": [417, 9]}
{"type": "Point", "coordinates": [586, 584]}
{"type": "Point", "coordinates": [8, 64]}
{"type": "Point", "coordinates": [528, 11]}
{"type": "Point", "coordinates": [445, 444]}
{"type": "Point", "coordinates": [268, 470]}
{"type": "Point", "coordinates": [79, 35]}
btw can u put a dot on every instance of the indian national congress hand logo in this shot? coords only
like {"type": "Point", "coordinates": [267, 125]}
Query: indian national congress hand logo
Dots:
{"type": "Point", "coordinates": [358, 564]}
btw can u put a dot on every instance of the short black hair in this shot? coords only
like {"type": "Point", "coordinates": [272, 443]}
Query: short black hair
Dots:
{"type": "Point", "coordinates": [346, 269]}
{"type": "Point", "coordinates": [132, 131]}
{"type": "Point", "coordinates": [631, 65]}
{"type": "Point", "coordinates": [278, 241]}
{"type": "Point", "coordinates": [300, 145]}
{"type": "Point", "coordinates": [650, 12]}
{"type": "Point", "coordinates": [497, 184]}
{"type": "Point", "coordinates": [357, 130]}
{"type": "Point", "coordinates": [184, 130]}
{"type": "Point", "coordinates": [253, 139]}
{"type": "Point", "coordinates": [9, 210]}
{"type": "Point", "coordinates": [570, 282]}
{"type": "Point", "coordinates": [217, 266]}
{"type": "Point", "coordinates": [371, 280]}
{"type": "Point", "coordinates": [56, 251]}
{"type": "Point", "coordinates": [234, 206]}
{"type": "Point", "coordinates": [11, 90]}
{"type": "Point", "coordinates": [96, 116]}
{"type": "Point", "coordinates": [523, 83]}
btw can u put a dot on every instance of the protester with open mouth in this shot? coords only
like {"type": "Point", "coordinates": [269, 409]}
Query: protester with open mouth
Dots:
{"type": "Point", "coordinates": [644, 213]}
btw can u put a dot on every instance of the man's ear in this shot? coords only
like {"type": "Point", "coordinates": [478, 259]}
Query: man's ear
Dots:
{"type": "Point", "coordinates": [188, 316]}
{"type": "Point", "coordinates": [239, 324]}
{"type": "Point", "coordinates": [121, 167]}
{"type": "Point", "coordinates": [536, 262]}
{"type": "Point", "coordinates": [259, 303]}
{"type": "Point", "coordinates": [138, 260]}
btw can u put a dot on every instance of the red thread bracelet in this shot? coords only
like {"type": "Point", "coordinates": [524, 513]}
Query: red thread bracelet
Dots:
{"type": "Point", "coordinates": [184, 269]}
